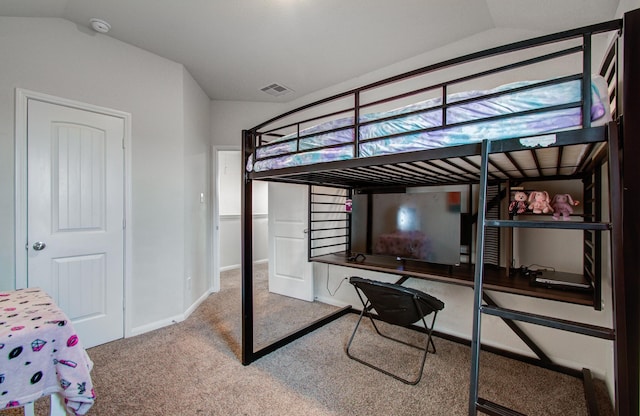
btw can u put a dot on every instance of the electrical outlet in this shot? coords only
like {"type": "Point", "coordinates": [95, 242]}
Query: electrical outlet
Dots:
{"type": "Point", "coordinates": [188, 282]}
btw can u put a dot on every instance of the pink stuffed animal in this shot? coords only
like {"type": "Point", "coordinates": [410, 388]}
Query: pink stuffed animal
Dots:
{"type": "Point", "coordinates": [539, 202]}
{"type": "Point", "coordinates": [562, 204]}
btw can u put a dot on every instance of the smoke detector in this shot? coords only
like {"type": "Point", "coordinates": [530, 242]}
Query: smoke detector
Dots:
{"type": "Point", "coordinates": [100, 25]}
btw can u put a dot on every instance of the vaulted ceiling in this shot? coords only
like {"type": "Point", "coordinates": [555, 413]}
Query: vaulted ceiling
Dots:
{"type": "Point", "coordinates": [233, 48]}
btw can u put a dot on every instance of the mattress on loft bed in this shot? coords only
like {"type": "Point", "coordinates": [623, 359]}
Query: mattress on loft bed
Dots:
{"type": "Point", "coordinates": [511, 127]}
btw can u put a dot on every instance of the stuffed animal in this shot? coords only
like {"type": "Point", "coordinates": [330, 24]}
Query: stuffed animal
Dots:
{"type": "Point", "coordinates": [519, 203]}
{"type": "Point", "coordinates": [563, 204]}
{"type": "Point", "coordinates": [539, 202]}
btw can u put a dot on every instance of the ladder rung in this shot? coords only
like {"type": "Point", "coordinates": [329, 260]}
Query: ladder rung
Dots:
{"type": "Point", "coordinates": [564, 225]}
{"type": "Point", "coordinates": [589, 274]}
{"type": "Point", "coordinates": [589, 244]}
{"type": "Point", "coordinates": [492, 408]}
{"type": "Point", "coordinates": [562, 324]}
{"type": "Point", "coordinates": [588, 257]}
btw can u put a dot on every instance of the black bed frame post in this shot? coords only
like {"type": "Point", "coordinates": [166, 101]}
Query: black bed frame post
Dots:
{"type": "Point", "coordinates": [477, 282]}
{"type": "Point", "coordinates": [369, 240]}
{"type": "Point", "coordinates": [247, 252]}
{"type": "Point", "coordinates": [349, 224]}
{"type": "Point", "coordinates": [309, 215]}
{"type": "Point", "coordinates": [356, 124]}
{"type": "Point", "coordinates": [627, 289]}
{"type": "Point", "coordinates": [586, 80]}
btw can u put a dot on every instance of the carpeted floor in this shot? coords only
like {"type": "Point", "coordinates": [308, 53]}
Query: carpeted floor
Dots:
{"type": "Point", "coordinates": [192, 368]}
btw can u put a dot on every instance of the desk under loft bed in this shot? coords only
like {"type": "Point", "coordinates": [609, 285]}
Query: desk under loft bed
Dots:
{"type": "Point", "coordinates": [424, 128]}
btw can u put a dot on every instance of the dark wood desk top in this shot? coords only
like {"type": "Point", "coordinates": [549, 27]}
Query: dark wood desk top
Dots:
{"type": "Point", "coordinates": [495, 278]}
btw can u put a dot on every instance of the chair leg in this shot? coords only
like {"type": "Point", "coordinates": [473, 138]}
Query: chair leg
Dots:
{"type": "Point", "coordinates": [429, 330]}
{"type": "Point", "coordinates": [429, 342]}
{"type": "Point", "coordinates": [353, 335]}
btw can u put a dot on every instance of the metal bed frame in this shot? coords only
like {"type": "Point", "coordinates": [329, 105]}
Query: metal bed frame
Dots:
{"type": "Point", "coordinates": [500, 162]}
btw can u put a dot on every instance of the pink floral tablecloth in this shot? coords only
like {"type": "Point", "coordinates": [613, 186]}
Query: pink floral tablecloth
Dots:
{"type": "Point", "coordinates": [40, 353]}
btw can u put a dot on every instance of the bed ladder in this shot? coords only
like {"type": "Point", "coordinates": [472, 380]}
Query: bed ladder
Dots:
{"type": "Point", "coordinates": [477, 403]}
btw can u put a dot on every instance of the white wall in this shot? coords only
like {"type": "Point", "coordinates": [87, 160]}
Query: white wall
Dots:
{"type": "Point", "coordinates": [231, 240]}
{"type": "Point", "coordinates": [197, 188]}
{"type": "Point", "coordinates": [57, 57]}
{"type": "Point", "coordinates": [626, 6]}
{"type": "Point", "coordinates": [228, 119]}
{"type": "Point", "coordinates": [229, 182]}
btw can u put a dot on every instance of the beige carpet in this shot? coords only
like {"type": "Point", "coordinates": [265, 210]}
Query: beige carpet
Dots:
{"type": "Point", "coordinates": [192, 368]}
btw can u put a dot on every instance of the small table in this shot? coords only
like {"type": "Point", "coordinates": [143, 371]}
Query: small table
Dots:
{"type": "Point", "coordinates": [40, 354]}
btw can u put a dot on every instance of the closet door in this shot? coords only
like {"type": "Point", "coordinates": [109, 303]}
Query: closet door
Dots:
{"type": "Point", "coordinates": [76, 216]}
{"type": "Point", "coordinates": [290, 273]}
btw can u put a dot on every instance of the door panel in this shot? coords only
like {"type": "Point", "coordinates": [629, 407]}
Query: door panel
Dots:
{"type": "Point", "coordinates": [88, 273]}
{"type": "Point", "coordinates": [78, 178]}
{"type": "Point", "coordinates": [76, 208]}
{"type": "Point", "coordinates": [290, 273]}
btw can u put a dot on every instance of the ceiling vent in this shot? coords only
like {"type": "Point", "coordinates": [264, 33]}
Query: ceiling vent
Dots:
{"type": "Point", "coordinates": [276, 89]}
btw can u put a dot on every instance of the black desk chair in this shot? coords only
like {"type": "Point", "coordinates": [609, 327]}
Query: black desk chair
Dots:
{"type": "Point", "coordinates": [396, 305]}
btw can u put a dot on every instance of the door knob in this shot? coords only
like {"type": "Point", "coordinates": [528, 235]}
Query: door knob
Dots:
{"type": "Point", "coordinates": [39, 245]}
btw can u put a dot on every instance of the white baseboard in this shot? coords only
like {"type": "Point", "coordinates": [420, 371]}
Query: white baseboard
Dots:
{"type": "Point", "coordinates": [154, 325]}
{"type": "Point", "coordinates": [237, 266]}
{"type": "Point", "coordinates": [179, 318]}
{"type": "Point", "coordinates": [227, 268]}
{"type": "Point", "coordinates": [331, 301]}
{"type": "Point", "coordinates": [169, 321]}
{"type": "Point", "coordinates": [195, 304]}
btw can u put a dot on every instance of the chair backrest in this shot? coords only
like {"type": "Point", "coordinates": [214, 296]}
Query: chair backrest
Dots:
{"type": "Point", "coordinates": [396, 304]}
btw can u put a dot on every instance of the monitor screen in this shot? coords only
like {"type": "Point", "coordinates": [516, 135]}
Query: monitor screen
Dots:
{"type": "Point", "coordinates": [421, 226]}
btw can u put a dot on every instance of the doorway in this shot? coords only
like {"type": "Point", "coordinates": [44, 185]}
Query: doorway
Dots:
{"type": "Point", "coordinates": [279, 228]}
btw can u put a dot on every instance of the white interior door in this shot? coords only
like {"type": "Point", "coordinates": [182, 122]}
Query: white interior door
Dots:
{"type": "Point", "coordinates": [290, 273]}
{"type": "Point", "coordinates": [75, 215]}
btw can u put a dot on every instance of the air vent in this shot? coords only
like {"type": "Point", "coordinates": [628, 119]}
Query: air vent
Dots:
{"type": "Point", "coordinates": [276, 90]}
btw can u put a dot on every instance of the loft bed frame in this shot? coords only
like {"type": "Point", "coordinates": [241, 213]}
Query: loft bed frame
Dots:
{"type": "Point", "coordinates": [482, 165]}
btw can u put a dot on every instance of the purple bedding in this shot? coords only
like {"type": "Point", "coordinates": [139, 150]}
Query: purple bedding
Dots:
{"type": "Point", "coordinates": [475, 118]}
